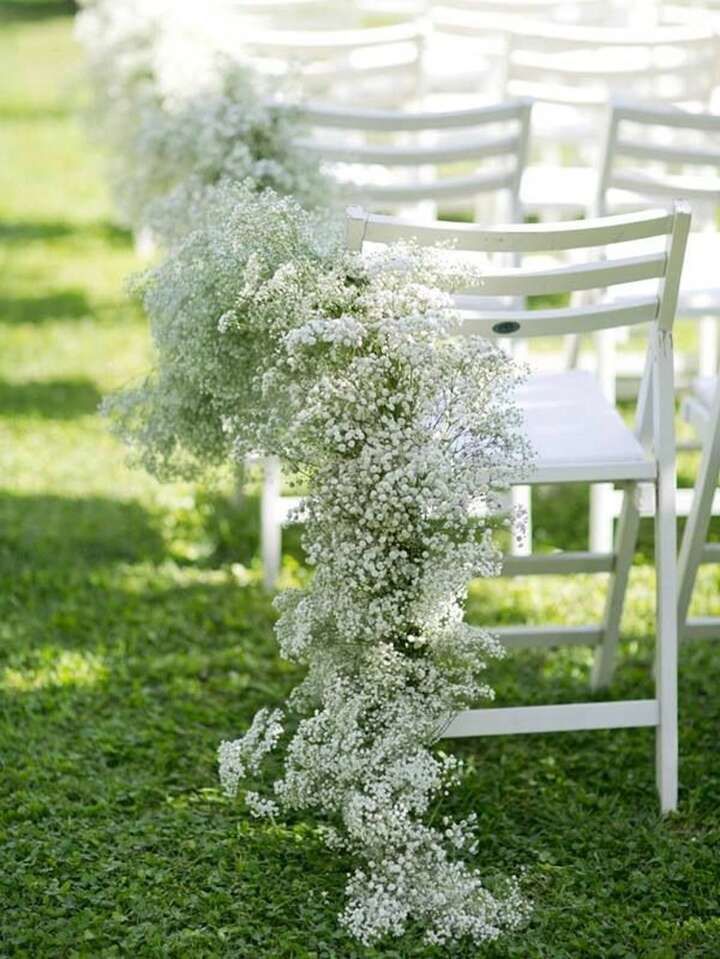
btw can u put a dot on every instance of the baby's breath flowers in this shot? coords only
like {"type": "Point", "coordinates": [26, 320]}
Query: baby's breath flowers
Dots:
{"type": "Point", "coordinates": [270, 337]}
{"type": "Point", "coordinates": [176, 115]}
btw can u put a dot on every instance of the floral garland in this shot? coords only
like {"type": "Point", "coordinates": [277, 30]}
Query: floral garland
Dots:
{"type": "Point", "coordinates": [269, 336]}
{"type": "Point", "coordinates": [177, 115]}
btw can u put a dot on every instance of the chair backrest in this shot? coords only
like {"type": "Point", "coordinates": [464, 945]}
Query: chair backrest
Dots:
{"type": "Point", "coordinates": [689, 10]}
{"type": "Point", "coordinates": [377, 64]}
{"type": "Point", "coordinates": [584, 65]}
{"type": "Point", "coordinates": [591, 272]}
{"type": "Point", "coordinates": [391, 159]}
{"type": "Point", "coordinates": [558, 11]}
{"type": "Point", "coordinates": [654, 152]}
{"type": "Point", "coordinates": [274, 14]}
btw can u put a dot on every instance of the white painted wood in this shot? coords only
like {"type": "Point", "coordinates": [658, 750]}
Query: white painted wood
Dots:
{"type": "Point", "coordinates": [709, 349]}
{"type": "Point", "coordinates": [555, 10]}
{"type": "Point", "coordinates": [554, 322]}
{"type": "Point", "coordinates": [520, 238]}
{"type": "Point", "coordinates": [559, 563]}
{"type": "Point", "coordinates": [635, 471]}
{"type": "Point", "coordinates": [392, 121]}
{"type": "Point", "coordinates": [693, 547]}
{"type": "Point", "coordinates": [702, 628]}
{"type": "Point", "coordinates": [645, 133]}
{"type": "Point", "coordinates": [470, 149]}
{"type": "Point", "coordinates": [270, 528]}
{"type": "Point", "coordinates": [665, 540]}
{"type": "Point", "coordinates": [531, 637]}
{"type": "Point", "coordinates": [311, 42]}
{"type": "Point", "coordinates": [711, 553]}
{"type": "Point", "coordinates": [566, 279]}
{"type": "Point", "coordinates": [626, 538]}
{"type": "Point", "coordinates": [572, 73]}
{"type": "Point", "coordinates": [553, 719]}
{"type": "Point", "coordinates": [397, 159]}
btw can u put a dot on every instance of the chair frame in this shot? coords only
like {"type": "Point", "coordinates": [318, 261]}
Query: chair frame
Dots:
{"type": "Point", "coordinates": [651, 187]}
{"type": "Point", "coordinates": [654, 429]}
{"type": "Point", "coordinates": [694, 548]}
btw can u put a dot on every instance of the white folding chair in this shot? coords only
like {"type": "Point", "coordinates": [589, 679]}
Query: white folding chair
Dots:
{"type": "Point", "coordinates": [466, 51]}
{"type": "Point", "coordinates": [655, 153]}
{"type": "Point", "coordinates": [391, 160]}
{"type": "Point", "coordinates": [400, 161]}
{"type": "Point", "coordinates": [702, 410]}
{"type": "Point", "coordinates": [579, 437]}
{"type": "Point", "coordinates": [379, 66]}
{"type": "Point", "coordinates": [572, 72]}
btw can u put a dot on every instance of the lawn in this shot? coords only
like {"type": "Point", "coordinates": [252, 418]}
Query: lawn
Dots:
{"type": "Point", "coordinates": [136, 635]}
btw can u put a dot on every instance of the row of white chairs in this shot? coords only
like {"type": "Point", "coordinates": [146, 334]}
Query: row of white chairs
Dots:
{"type": "Point", "coordinates": [571, 421]}
{"type": "Point", "coordinates": [571, 72]}
{"type": "Point", "coordinates": [491, 145]}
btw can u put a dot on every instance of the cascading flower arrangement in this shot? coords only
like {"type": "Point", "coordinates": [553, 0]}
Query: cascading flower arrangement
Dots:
{"type": "Point", "coordinates": [176, 115]}
{"type": "Point", "coordinates": [271, 337]}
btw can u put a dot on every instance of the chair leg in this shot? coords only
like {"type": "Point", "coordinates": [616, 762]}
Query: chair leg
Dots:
{"type": "Point", "coordinates": [601, 494]}
{"type": "Point", "coordinates": [698, 520]}
{"type": "Point", "coordinates": [708, 337]}
{"type": "Point", "coordinates": [666, 663]}
{"type": "Point", "coordinates": [571, 351]}
{"type": "Point", "coordinates": [666, 743]}
{"type": "Point", "coordinates": [270, 523]}
{"type": "Point", "coordinates": [601, 517]}
{"type": "Point", "coordinates": [625, 540]}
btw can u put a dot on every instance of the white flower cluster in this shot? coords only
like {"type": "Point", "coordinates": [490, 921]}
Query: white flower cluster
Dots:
{"type": "Point", "coordinates": [177, 114]}
{"type": "Point", "coordinates": [270, 337]}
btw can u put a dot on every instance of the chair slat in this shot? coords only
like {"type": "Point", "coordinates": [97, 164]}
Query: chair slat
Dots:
{"type": "Point", "coordinates": [569, 279]}
{"type": "Point", "coordinates": [347, 118]}
{"type": "Point", "coordinates": [518, 238]}
{"type": "Point", "coordinates": [532, 323]}
{"type": "Point", "coordinates": [470, 149]}
{"type": "Point", "coordinates": [669, 154]}
{"type": "Point", "coordinates": [320, 41]}
{"type": "Point", "coordinates": [647, 185]}
{"type": "Point", "coordinates": [414, 192]}
{"type": "Point", "coordinates": [665, 116]}
{"type": "Point", "coordinates": [527, 66]}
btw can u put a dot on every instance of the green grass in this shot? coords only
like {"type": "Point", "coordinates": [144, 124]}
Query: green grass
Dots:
{"type": "Point", "coordinates": [135, 636]}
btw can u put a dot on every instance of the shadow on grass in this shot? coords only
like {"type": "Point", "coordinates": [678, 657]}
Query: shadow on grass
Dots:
{"type": "Point", "coordinates": [31, 231]}
{"type": "Point", "coordinates": [232, 525]}
{"type": "Point", "coordinates": [63, 305]}
{"type": "Point", "coordinates": [48, 532]}
{"type": "Point", "coordinates": [54, 399]}
{"type": "Point", "coordinates": [30, 10]}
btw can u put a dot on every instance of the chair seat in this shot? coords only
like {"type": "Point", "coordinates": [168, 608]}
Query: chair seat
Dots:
{"type": "Point", "coordinates": [577, 436]}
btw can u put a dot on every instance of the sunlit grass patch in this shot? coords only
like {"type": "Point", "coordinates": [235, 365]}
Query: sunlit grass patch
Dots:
{"type": "Point", "coordinates": [64, 668]}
